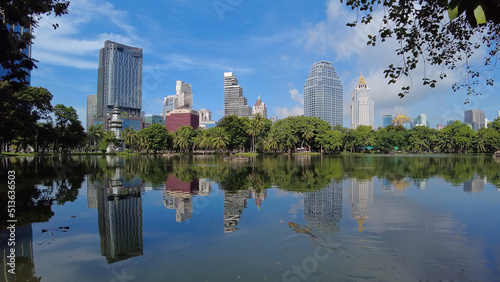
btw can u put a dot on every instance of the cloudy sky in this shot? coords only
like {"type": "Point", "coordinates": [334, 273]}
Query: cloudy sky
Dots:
{"type": "Point", "coordinates": [269, 45]}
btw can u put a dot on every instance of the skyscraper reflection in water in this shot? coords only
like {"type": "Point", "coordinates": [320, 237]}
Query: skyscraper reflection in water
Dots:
{"type": "Point", "coordinates": [361, 195]}
{"type": "Point", "coordinates": [234, 204]}
{"type": "Point", "coordinates": [324, 208]}
{"type": "Point", "coordinates": [119, 206]}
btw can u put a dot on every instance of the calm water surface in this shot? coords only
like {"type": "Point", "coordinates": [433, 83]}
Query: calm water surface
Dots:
{"type": "Point", "coordinates": [282, 218]}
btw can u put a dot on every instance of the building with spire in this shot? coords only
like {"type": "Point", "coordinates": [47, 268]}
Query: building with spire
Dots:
{"type": "Point", "coordinates": [234, 101]}
{"type": "Point", "coordinates": [361, 196]}
{"type": "Point", "coordinates": [323, 94]}
{"type": "Point", "coordinates": [362, 107]}
{"type": "Point", "coordinates": [259, 108]}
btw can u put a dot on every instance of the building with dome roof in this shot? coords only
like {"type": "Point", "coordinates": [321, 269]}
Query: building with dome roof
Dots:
{"type": "Point", "coordinates": [362, 107]}
{"type": "Point", "coordinates": [259, 108]}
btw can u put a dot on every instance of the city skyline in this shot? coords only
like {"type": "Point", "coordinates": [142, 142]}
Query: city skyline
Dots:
{"type": "Point", "coordinates": [268, 46]}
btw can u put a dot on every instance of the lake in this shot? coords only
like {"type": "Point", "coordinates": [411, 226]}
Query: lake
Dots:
{"type": "Point", "coordinates": [272, 218]}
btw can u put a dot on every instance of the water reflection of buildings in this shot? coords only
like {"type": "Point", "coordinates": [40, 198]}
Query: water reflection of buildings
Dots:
{"type": "Point", "coordinates": [234, 204]}
{"type": "Point", "coordinates": [401, 184]}
{"type": "Point", "coordinates": [324, 208]}
{"type": "Point", "coordinates": [24, 264]}
{"type": "Point", "coordinates": [178, 195]}
{"type": "Point", "coordinates": [259, 196]}
{"type": "Point", "coordinates": [361, 196]}
{"type": "Point", "coordinates": [119, 206]}
{"type": "Point", "coordinates": [475, 185]}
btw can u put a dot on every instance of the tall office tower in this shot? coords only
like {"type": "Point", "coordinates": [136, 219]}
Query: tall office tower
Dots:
{"type": "Point", "coordinates": [387, 119]}
{"type": "Point", "coordinates": [259, 108]}
{"type": "Point", "coordinates": [169, 104]}
{"type": "Point", "coordinates": [91, 109]}
{"type": "Point", "coordinates": [184, 94]}
{"type": "Point", "coordinates": [475, 118]}
{"type": "Point", "coordinates": [19, 30]}
{"type": "Point", "coordinates": [324, 208]}
{"type": "Point", "coordinates": [498, 114]}
{"type": "Point", "coordinates": [234, 101]}
{"type": "Point", "coordinates": [361, 195]}
{"type": "Point", "coordinates": [323, 94]}
{"type": "Point", "coordinates": [362, 107]}
{"type": "Point", "coordinates": [119, 80]}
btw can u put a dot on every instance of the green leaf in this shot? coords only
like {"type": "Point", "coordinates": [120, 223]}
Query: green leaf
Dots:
{"type": "Point", "coordinates": [453, 13]}
{"type": "Point", "coordinates": [479, 15]}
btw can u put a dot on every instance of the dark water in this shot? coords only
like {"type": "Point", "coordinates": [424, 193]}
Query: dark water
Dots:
{"type": "Point", "coordinates": [282, 218]}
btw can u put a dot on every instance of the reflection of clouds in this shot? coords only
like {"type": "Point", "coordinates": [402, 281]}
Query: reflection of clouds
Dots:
{"type": "Point", "coordinates": [63, 251]}
{"type": "Point", "coordinates": [427, 241]}
{"type": "Point", "coordinates": [296, 207]}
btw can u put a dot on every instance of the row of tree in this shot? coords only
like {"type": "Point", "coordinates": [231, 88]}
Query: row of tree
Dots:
{"type": "Point", "coordinates": [299, 133]}
{"type": "Point", "coordinates": [29, 120]}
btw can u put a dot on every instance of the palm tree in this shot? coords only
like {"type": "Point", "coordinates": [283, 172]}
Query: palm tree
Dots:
{"type": "Point", "coordinates": [142, 141]}
{"type": "Point", "coordinates": [129, 137]}
{"type": "Point", "coordinates": [220, 139]}
{"type": "Point", "coordinates": [95, 133]}
{"type": "Point", "coordinates": [255, 127]}
{"type": "Point", "coordinates": [181, 140]}
{"type": "Point", "coordinates": [307, 135]}
{"type": "Point", "coordinates": [271, 142]}
{"type": "Point", "coordinates": [204, 140]}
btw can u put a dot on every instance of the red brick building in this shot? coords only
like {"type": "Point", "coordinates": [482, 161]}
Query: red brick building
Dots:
{"type": "Point", "coordinates": [181, 117]}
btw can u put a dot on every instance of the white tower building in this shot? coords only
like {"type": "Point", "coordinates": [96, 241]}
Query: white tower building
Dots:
{"type": "Point", "coordinates": [362, 107]}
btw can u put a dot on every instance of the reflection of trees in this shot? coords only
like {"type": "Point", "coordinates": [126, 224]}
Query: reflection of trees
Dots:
{"type": "Point", "coordinates": [38, 179]}
{"type": "Point", "coordinates": [41, 180]}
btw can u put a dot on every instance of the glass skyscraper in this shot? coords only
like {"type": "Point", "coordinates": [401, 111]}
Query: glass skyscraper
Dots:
{"type": "Point", "coordinates": [323, 94]}
{"type": "Point", "coordinates": [119, 80]}
{"type": "Point", "coordinates": [387, 120]}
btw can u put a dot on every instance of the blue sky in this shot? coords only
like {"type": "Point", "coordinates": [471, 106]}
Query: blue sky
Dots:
{"type": "Point", "coordinates": [269, 45]}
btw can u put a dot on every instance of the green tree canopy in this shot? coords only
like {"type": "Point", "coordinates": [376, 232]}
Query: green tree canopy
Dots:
{"type": "Point", "coordinates": [70, 132]}
{"type": "Point", "coordinates": [435, 32]}
{"type": "Point", "coordinates": [26, 14]}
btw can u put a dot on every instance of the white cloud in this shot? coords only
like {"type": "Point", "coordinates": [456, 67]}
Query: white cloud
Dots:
{"type": "Point", "coordinates": [184, 62]}
{"type": "Point", "coordinates": [68, 46]}
{"type": "Point", "coordinates": [295, 94]}
{"type": "Point", "coordinates": [285, 112]}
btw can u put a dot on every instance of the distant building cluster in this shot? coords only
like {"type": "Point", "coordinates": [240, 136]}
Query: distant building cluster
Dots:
{"type": "Point", "coordinates": [120, 84]}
